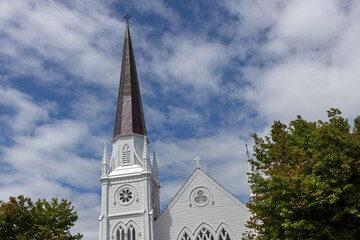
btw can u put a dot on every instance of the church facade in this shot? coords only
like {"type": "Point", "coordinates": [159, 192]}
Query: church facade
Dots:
{"type": "Point", "coordinates": [130, 205]}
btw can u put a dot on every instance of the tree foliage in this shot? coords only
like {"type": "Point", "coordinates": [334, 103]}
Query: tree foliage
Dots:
{"type": "Point", "coordinates": [306, 180]}
{"type": "Point", "coordinates": [20, 218]}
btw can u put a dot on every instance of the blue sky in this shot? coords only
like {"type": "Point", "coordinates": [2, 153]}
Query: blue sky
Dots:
{"type": "Point", "coordinates": [211, 74]}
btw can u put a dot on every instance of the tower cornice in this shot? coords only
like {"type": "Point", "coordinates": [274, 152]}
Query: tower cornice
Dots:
{"type": "Point", "coordinates": [128, 135]}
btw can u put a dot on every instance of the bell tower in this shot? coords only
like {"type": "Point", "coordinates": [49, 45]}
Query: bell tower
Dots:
{"type": "Point", "coordinates": [129, 182]}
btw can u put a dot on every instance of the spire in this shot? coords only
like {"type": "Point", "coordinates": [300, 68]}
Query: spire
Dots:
{"type": "Point", "coordinates": [129, 113]}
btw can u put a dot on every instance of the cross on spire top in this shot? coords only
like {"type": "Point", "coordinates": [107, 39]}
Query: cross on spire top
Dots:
{"type": "Point", "coordinates": [197, 160]}
{"type": "Point", "coordinates": [127, 16]}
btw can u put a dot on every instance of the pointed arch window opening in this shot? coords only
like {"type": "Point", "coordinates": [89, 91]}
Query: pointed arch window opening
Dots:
{"type": "Point", "coordinates": [126, 234]}
{"type": "Point", "coordinates": [126, 155]}
{"type": "Point", "coordinates": [120, 234]}
{"type": "Point", "coordinates": [204, 234]}
{"type": "Point", "coordinates": [224, 235]}
{"type": "Point", "coordinates": [131, 233]}
{"type": "Point", "coordinates": [185, 236]}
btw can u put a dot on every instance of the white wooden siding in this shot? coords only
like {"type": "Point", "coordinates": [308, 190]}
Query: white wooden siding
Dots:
{"type": "Point", "coordinates": [226, 209]}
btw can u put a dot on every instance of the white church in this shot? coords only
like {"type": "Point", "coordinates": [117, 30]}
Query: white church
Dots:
{"type": "Point", "coordinates": [130, 205]}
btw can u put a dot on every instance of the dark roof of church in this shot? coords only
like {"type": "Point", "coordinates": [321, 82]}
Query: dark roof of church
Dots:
{"type": "Point", "coordinates": [129, 113]}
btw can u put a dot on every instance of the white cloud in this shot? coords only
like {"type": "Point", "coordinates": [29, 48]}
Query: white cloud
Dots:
{"type": "Point", "coordinates": [181, 115]}
{"type": "Point", "coordinates": [295, 88]}
{"type": "Point", "coordinates": [189, 60]}
{"type": "Point", "coordinates": [93, 109]}
{"type": "Point", "coordinates": [88, 207]}
{"type": "Point", "coordinates": [27, 113]}
{"type": "Point", "coordinates": [158, 7]}
{"type": "Point", "coordinates": [254, 16]}
{"type": "Point", "coordinates": [310, 59]}
{"type": "Point", "coordinates": [154, 117]}
{"type": "Point", "coordinates": [221, 153]}
{"type": "Point", "coordinates": [168, 190]}
{"type": "Point", "coordinates": [49, 32]}
{"type": "Point", "coordinates": [49, 155]}
{"type": "Point", "coordinates": [46, 159]}
{"type": "Point", "coordinates": [305, 24]}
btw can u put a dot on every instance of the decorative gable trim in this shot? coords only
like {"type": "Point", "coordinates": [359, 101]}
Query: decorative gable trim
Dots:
{"type": "Point", "coordinates": [197, 172]}
{"type": "Point", "coordinates": [225, 191]}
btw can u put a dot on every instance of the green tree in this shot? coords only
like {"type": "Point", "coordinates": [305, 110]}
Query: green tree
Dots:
{"type": "Point", "coordinates": [306, 180]}
{"type": "Point", "coordinates": [20, 218]}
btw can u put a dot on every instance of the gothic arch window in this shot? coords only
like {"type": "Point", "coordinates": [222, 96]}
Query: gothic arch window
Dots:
{"type": "Point", "coordinates": [120, 234]}
{"type": "Point", "coordinates": [204, 234]}
{"type": "Point", "coordinates": [128, 233]}
{"type": "Point", "coordinates": [126, 154]}
{"type": "Point", "coordinates": [131, 233]}
{"type": "Point", "coordinates": [185, 236]}
{"type": "Point", "coordinates": [224, 235]}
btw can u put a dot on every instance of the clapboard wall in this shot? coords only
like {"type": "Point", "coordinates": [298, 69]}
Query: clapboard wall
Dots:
{"type": "Point", "coordinates": [202, 202]}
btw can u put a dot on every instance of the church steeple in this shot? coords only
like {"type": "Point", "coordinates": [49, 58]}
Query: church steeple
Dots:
{"type": "Point", "coordinates": [129, 113]}
{"type": "Point", "coordinates": [129, 186]}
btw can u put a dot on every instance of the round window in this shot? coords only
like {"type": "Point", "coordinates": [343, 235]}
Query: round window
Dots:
{"type": "Point", "coordinates": [200, 196]}
{"type": "Point", "coordinates": [125, 195]}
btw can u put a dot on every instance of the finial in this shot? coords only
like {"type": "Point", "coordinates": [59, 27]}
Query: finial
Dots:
{"type": "Point", "coordinates": [154, 156]}
{"type": "Point", "coordinates": [105, 166]}
{"type": "Point", "coordinates": [127, 16]}
{"type": "Point", "coordinates": [155, 164]}
{"type": "Point", "coordinates": [155, 168]}
{"type": "Point", "coordinates": [145, 148]}
{"type": "Point", "coordinates": [105, 155]}
{"type": "Point", "coordinates": [197, 160]}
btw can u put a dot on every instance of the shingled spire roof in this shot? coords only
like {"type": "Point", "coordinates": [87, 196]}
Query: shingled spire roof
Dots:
{"type": "Point", "coordinates": [129, 113]}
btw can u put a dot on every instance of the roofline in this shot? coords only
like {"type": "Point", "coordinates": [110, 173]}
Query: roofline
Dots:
{"type": "Point", "coordinates": [187, 182]}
